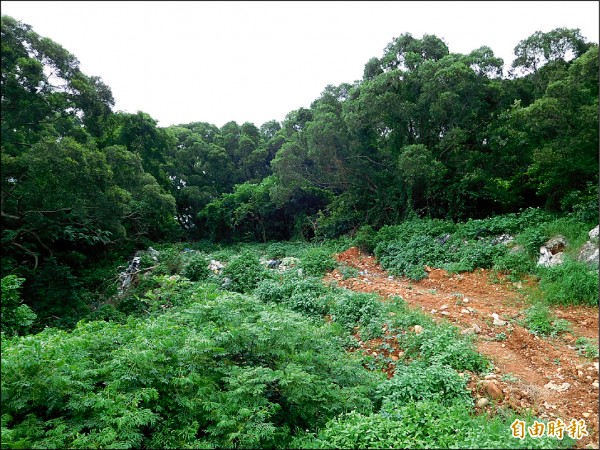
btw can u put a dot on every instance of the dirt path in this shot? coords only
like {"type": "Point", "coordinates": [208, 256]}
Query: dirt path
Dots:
{"type": "Point", "coordinates": [524, 364]}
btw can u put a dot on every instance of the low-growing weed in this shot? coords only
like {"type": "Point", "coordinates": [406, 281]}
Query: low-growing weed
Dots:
{"type": "Point", "coordinates": [540, 321]}
{"type": "Point", "coordinates": [347, 271]}
{"type": "Point", "coordinates": [423, 381]}
{"type": "Point", "coordinates": [195, 267]}
{"type": "Point", "coordinates": [316, 261]}
{"type": "Point", "coordinates": [245, 272]}
{"type": "Point", "coordinates": [443, 344]}
{"type": "Point", "coordinates": [570, 283]}
{"type": "Point", "coordinates": [587, 347]}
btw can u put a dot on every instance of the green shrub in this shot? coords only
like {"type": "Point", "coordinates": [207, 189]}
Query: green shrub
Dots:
{"type": "Point", "coordinates": [422, 381]}
{"type": "Point", "coordinates": [443, 344]}
{"type": "Point", "coordinates": [222, 371]}
{"type": "Point", "coordinates": [16, 317]}
{"type": "Point", "coordinates": [540, 321]}
{"type": "Point", "coordinates": [317, 261]}
{"type": "Point", "coordinates": [347, 271]}
{"type": "Point", "coordinates": [409, 258]}
{"type": "Point", "coordinates": [353, 309]}
{"type": "Point", "coordinates": [570, 283]}
{"type": "Point", "coordinates": [244, 272]}
{"type": "Point", "coordinates": [587, 347]}
{"type": "Point", "coordinates": [365, 239]}
{"type": "Point", "coordinates": [195, 267]}
{"type": "Point", "coordinates": [531, 239]}
{"type": "Point", "coordinates": [170, 261]}
{"type": "Point", "coordinates": [424, 424]}
{"type": "Point", "coordinates": [515, 264]}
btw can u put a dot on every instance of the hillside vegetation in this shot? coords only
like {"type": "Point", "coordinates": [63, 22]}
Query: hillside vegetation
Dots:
{"type": "Point", "coordinates": [221, 333]}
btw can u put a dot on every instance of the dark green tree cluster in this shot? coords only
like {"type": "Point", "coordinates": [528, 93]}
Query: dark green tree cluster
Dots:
{"type": "Point", "coordinates": [78, 181]}
{"type": "Point", "coordinates": [424, 133]}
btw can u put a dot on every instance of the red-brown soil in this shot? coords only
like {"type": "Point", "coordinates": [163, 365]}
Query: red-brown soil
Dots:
{"type": "Point", "coordinates": [523, 363]}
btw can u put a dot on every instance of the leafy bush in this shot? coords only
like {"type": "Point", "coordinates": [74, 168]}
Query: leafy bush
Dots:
{"type": "Point", "coordinates": [347, 271]}
{"type": "Point", "coordinates": [352, 309]}
{"type": "Point", "coordinates": [170, 261]}
{"type": "Point", "coordinates": [515, 264]}
{"type": "Point", "coordinates": [409, 258]}
{"type": "Point", "coordinates": [587, 347]}
{"type": "Point", "coordinates": [196, 268]}
{"type": "Point", "coordinates": [424, 424]}
{"type": "Point", "coordinates": [570, 283]}
{"type": "Point", "coordinates": [421, 381]}
{"type": "Point", "coordinates": [443, 344]}
{"type": "Point", "coordinates": [531, 239]}
{"type": "Point", "coordinates": [316, 261]}
{"type": "Point", "coordinates": [511, 223]}
{"type": "Point", "coordinates": [16, 317]}
{"type": "Point", "coordinates": [244, 272]}
{"type": "Point", "coordinates": [223, 371]}
{"type": "Point", "coordinates": [540, 321]}
{"type": "Point", "coordinates": [365, 239]}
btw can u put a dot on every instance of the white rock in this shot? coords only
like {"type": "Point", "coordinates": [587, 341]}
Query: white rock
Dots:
{"type": "Point", "coordinates": [482, 402]}
{"type": "Point", "coordinates": [418, 329]}
{"type": "Point", "coordinates": [594, 232]}
{"type": "Point", "coordinates": [560, 388]}
{"type": "Point", "coordinates": [444, 307]}
{"type": "Point", "coordinates": [497, 320]}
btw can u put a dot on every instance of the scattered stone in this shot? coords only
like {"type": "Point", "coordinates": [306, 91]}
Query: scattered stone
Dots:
{"type": "Point", "coordinates": [287, 263]}
{"type": "Point", "coordinates": [556, 244]}
{"type": "Point", "coordinates": [490, 376]}
{"type": "Point", "coordinates": [444, 307]}
{"type": "Point", "coordinates": [476, 328]}
{"type": "Point", "coordinates": [465, 311]}
{"type": "Point", "coordinates": [445, 313]}
{"type": "Point", "coordinates": [483, 402]}
{"type": "Point", "coordinates": [595, 385]}
{"type": "Point", "coordinates": [593, 234]}
{"type": "Point", "coordinates": [589, 253]}
{"type": "Point", "coordinates": [465, 300]}
{"type": "Point", "coordinates": [418, 329]}
{"type": "Point", "coordinates": [390, 277]}
{"type": "Point", "coordinates": [580, 374]}
{"type": "Point", "coordinates": [433, 311]}
{"type": "Point", "coordinates": [493, 390]}
{"type": "Point", "coordinates": [154, 254]}
{"type": "Point", "coordinates": [443, 239]}
{"type": "Point", "coordinates": [547, 259]}
{"type": "Point", "coordinates": [586, 415]}
{"type": "Point", "coordinates": [497, 320]}
{"type": "Point", "coordinates": [130, 275]}
{"type": "Point", "coordinates": [216, 266]}
{"type": "Point", "coordinates": [591, 368]}
{"type": "Point", "coordinates": [596, 366]}
{"type": "Point", "coordinates": [503, 239]}
{"type": "Point", "coordinates": [560, 388]}
{"type": "Point", "coordinates": [468, 331]}
{"type": "Point", "coordinates": [273, 263]}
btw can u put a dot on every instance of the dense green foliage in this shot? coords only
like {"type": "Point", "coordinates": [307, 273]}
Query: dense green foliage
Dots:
{"type": "Point", "coordinates": [426, 161]}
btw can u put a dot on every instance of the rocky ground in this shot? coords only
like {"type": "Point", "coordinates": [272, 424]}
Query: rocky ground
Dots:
{"type": "Point", "coordinates": [544, 375]}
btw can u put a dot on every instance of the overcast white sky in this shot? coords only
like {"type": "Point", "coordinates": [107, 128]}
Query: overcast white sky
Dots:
{"type": "Point", "coordinates": [214, 62]}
